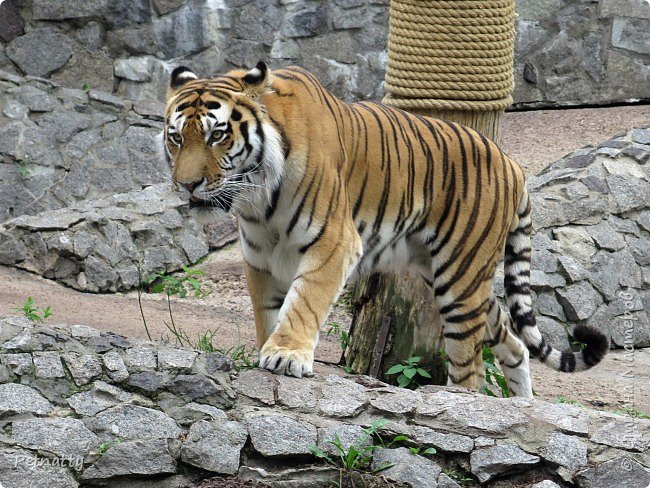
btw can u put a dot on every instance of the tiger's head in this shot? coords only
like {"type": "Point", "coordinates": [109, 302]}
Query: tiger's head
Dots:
{"type": "Point", "coordinates": [224, 150]}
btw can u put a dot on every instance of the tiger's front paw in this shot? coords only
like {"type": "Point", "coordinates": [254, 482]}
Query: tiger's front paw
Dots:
{"type": "Point", "coordinates": [290, 362]}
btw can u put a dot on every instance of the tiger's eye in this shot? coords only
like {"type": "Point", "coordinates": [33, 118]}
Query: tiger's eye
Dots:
{"type": "Point", "coordinates": [176, 138]}
{"type": "Point", "coordinates": [216, 136]}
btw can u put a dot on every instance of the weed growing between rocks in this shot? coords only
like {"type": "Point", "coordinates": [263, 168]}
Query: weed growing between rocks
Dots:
{"type": "Point", "coordinates": [182, 284]}
{"type": "Point", "coordinates": [34, 313]}
{"type": "Point", "coordinates": [409, 371]}
{"type": "Point", "coordinates": [355, 461]}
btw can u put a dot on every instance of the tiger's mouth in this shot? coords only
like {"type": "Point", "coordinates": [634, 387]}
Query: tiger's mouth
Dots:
{"type": "Point", "coordinates": [219, 202]}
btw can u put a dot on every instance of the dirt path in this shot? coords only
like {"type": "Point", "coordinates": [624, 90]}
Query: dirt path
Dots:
{"type": "Point", "coordinates": [535, 139]}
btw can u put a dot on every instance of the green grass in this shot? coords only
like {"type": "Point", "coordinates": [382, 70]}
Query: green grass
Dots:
{"type": "Point", "coordinates": [632, 412]}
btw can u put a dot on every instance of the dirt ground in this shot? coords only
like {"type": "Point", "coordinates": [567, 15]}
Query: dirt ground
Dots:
{"type": "Point", "coordinates": [534, 139]}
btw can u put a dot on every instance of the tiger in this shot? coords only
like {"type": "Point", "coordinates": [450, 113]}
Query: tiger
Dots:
{"type": "Point", "coordinates": [326, 191]}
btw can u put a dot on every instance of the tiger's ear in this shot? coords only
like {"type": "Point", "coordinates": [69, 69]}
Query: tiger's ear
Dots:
{"type": "Point", "coordinates": [257, 81]}
{"type": "Point", "coordinates": [178, 78]}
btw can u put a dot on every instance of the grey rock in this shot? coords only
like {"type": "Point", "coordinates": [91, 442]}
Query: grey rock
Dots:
{"type": "Point", "coordinates": [296, 392]}
{"type": "Point", "coordinates": [193, 247]}
{"type": "Point", "coordinates": [554, 332]}
{"type": "Point", "coordinates": [547, 304]}
{"type": "Point", "coordinates": [139, 457]}
{"type": "Point", "coordinates": [627, 34]}
{"type": "Point", "coordinates": [443, 441]}
{"type": "Point", "coordinates": [396, 400]}
{"type": "Point", "coordinates": [115, 366]}
{"type": "Point", "coordinates": [257, 385]}
{"type": "Point", "coordinates": [141, 357]}
{"type": "Point", "coordinates": [607, 275]}
{"type": "Point", "coordinates": [621, 471]}
{"type": "Point", "coordinates": [544, 261]}
{"type": "Point", "coordinates": [579, 300]}
{"type": "Point", "coordinates": [571, 270]}
{"type": "Point", "coordinates": [20, 469]}
{"type": "Point", "coordinates": [135, 422]}
{"type": "Point", "coordinates": [575, 242]}
{"type": "Point", "coordinates": [445, 481]}
{"type": "Point", "coordinates": [215, 362]}
{"type": "Point", "coordinates": [629, 193]}
{"type": "Point", "coordinates": [341, 397]}
{"type": "Point", "coordinates": [15, 110]}
{"type": "Point", "coordinates": [175, 358]}
{"type": "Point", "coordinates": [492, 461]}
{"type": "Point", "coordinates": [280, 435]}
{"type": "Point", "coordinates": [12, 251]}
{"type": "Point", "coordinates": [641, 136]}
{"type": "Point", "coordinates": [148, 382]}
{"type": "Point", "coordinates": [15, 398]}
{"type": "Point", "coordinates": [464, 412]}
{"type": "Point", "coordinates": [566, 451]}
{"type": "Point", "coordinates": [48, 365]}
{"type": "Point", "coordinates": [28, 51]}
{"type": "Point", "coordinates": [415, 470]}
{"type": "Point", "coordinates": [546, 484]}
{"type": "Point", "coordinates": [136, 68]}
{"type": "Point", "coordinates": [70, 9]}
{"type": "Point", "coordinates": [100, 397]}
{"type": "Point", "coordinates": [191, 412]}
{"type": "Point", "coordinates": [545, 281]}
{"type": "Point", "coordinates": [64, 437]}
{"type": "Point", "coordinates": [640, 249]}
{"type": "Point", "coordinates": [165, 6]}
{"type": "Point", "coordinates": [20, 363]}
{"type": "Point", "coordinates": [214, 446]}
{"type": "Point", "coordinates": [194, 386]}
{"type": "Point", "coordinates": [623, 434]}
{"type": "Point", "coordinates": [605, 236]}
{"type": "Point", "coordinates": [106, 99]}
{"type": "Point", "coordinates": [83, 367]}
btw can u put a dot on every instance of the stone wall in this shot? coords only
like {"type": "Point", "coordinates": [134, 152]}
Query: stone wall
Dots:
{"type": "Point", "coordinates": [80, 407]}
{"type": "Point", "coordinates": [62, 145]}
{"type": "Point", "coordinates": [567, 51]}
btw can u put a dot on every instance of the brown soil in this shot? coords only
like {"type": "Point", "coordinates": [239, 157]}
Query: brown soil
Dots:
{"type": "Point", "coordinates": [534, 139]}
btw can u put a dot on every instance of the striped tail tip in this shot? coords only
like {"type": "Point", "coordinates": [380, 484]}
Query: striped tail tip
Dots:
{"type": "Point", "coordinates": [596, 344]}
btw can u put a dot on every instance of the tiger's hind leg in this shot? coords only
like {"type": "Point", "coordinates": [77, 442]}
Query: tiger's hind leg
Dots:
{"type": "Point", "coordinates": [464, 325]}
{"type": "Point", "coordinates": [510, 350]}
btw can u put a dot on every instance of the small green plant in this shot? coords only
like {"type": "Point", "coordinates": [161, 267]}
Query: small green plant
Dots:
{"type": "Point", "coordinates": [25, 167]}
{"type": "Point", "coordinates": [569, 401]}
{"type": "Point", "coordinates": [34, 313]}
{"type": "Point", "coordinates": [335, 329]}
{"type": "Point", "coordinates": [186, 282]}
{"type": "Point", "coordinates": [105, 446]}
{"type": "Point", "coordinates": [577, 345]}
{"type": "Point", "coordinates": [356, 457]}
{"type": "Point", "coordinates": [632, 412]}
{"type": "Point", "coordinates": [493, 375]}
{"type": "Point", "coordinates": [243, 356]}
{"type": "Point", "coordinates": [408, 371]}
{"type": "Point", "coordinates": [430, 451]}
{"type": "Point", "coordinates": [85, 87]}
{"type": "Point", "coordinates": [458, 477]}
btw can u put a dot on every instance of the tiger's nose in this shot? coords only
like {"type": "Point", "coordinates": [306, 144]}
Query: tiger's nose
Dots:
{"type": "Point", "coordinates": [191, 185]}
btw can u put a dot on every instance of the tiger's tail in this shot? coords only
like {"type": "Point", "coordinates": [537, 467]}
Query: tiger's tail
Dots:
{"type": "Point", "coordinates": [517, 286]}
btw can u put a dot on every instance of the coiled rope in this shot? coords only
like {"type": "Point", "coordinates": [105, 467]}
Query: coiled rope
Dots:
{"type": "Point", "coordinates": [450, 54]}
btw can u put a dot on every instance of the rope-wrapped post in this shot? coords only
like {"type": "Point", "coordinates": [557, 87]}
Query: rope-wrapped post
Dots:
{"type": "Point", "coordinates": [449, 59]}
{"type": "Point", "coordinates": [452, 59]}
